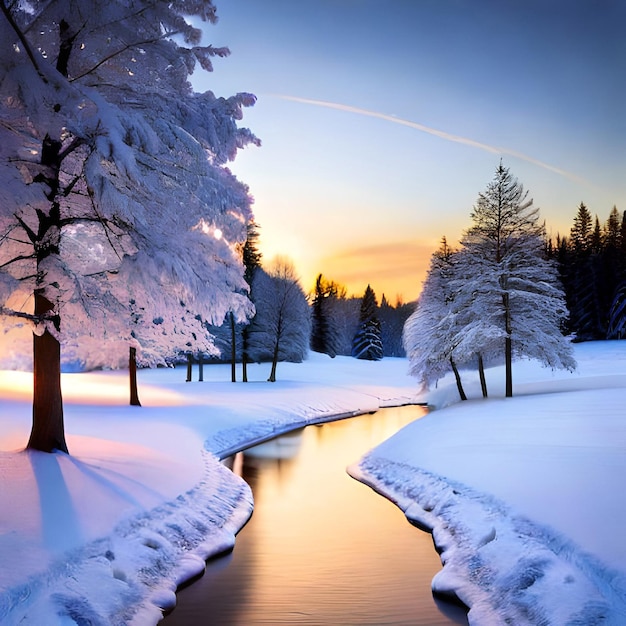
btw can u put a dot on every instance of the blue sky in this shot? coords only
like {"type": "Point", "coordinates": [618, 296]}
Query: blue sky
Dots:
{"type": "Point", "coordinates": [382, 121]}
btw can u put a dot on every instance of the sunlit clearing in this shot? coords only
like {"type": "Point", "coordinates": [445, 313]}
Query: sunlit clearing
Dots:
{"type": "Point", "coordinates": [89, 388]}
{"type": "Point", "coordinates": [113, 389]}
{"type": "Point", "coordinates": [16, 385]}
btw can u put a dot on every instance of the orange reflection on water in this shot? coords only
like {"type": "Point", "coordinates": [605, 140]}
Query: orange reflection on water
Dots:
{"type": "Point", "coordinates": [321, 547]}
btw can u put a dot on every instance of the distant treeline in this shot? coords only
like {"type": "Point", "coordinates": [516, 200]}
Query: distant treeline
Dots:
{"type": "Point", "coordinates": [592, 265]}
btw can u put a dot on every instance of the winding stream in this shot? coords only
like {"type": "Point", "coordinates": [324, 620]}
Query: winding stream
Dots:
{"type": "Point", "coordinates": [320, 548]}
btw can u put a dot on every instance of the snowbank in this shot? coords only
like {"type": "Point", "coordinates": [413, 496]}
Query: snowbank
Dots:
{"type": "Point", "coordinates": [523, 495]}
{"type": "Point", "coordinates": [104, 536]}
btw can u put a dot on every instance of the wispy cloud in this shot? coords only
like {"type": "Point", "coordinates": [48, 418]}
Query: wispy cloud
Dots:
{"type": "Point", "coordinates": [433, 131]}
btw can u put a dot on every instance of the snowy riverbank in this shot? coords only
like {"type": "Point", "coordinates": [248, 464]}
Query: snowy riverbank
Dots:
{"type": "Point", "coordinates": [105, 535]}
{"type": "Point", "coordinates": [522, 494]}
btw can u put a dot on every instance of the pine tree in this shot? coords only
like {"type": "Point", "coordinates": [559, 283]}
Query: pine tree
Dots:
{"type": "Point", "coordinates": [513, 287]}
{"type": "Point", "coordinates": [367, 342]}
{"type": "Point", "coordinates": [580, 234]}
{"type": "Point", "coordinates": [251, 261]}
{"type": "Point", "coordinates": [323, 329]}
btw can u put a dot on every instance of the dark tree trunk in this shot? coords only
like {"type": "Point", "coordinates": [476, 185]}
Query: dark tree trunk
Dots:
{"type": "Point", "coordinates": [272, 378]}
{"type": "Point", "coordinates": [508, 356]}
{"type": "Point", "coordinates": [201, 367]}
{"type": "Point", "coordinates": [189, 368]}
{"type": "Point", "coordinates": [48, 431]}
{"type": "Point", "coordinates": [481, 374]}
{"type": "Point", "coordinates": [508, 350]}
{"type": "Point", "coordinates": [244, 355]}
{"type": "Point", "coordinates": [233, 349]}
{"type": "Point", "coordinates": [457, 377]}
{"type": "Point", "coordinates": [132, 371]}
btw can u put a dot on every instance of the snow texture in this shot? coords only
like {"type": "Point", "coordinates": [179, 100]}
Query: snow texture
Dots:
{"type": "Point", "coordinates": [523, 495]}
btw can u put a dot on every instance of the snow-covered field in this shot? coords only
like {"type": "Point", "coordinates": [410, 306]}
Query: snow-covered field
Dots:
{"type": "Point", "coordinates": [523, 495]}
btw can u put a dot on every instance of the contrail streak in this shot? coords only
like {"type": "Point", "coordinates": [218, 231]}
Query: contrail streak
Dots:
{"type": "Point", "coordinates": [433, 131]}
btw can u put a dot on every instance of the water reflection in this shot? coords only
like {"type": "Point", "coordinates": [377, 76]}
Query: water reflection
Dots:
{"type": "Point", "coordinates": [320, 548]}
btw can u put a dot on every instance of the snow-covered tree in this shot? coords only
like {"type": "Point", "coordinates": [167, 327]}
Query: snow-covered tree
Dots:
{"type": "Point", "coordinates": [367, 343]}
{"type": "Point", "coordinates": [511, 288]}
{"type": "Point", "coordinates": [392, 319]}
{"type": "Point", "coordinates": [344, 313]}
{"type": "Point", "coordinates": [324, 334]}
{"type": "Point", "coordinates": [113, 186]}
{"type": "Point", "coordinates": [281, 328]}
{"type": "Point", "coordinates": [431, 330]}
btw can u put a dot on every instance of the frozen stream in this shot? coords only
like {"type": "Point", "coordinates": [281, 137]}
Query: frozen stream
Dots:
{"type": "Point", "coordinates": [321, 548]}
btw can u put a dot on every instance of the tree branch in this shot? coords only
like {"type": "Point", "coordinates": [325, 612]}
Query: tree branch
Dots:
{"type": "Point", "coordinates": [21, 257]}
{"type": "Point", "coordinates": [125, 47]}
{"type": "Point", "coordinates": [23, 40]}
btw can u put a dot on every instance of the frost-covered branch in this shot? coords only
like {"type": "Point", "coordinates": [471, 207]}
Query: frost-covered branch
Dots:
{"type": "Point", "coordinates": [25, 43]}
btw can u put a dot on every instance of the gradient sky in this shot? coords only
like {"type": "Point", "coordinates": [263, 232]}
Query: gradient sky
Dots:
{"type": "Point", "coordinates": [382, 121]}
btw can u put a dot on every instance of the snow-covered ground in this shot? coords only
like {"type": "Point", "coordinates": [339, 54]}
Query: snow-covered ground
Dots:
{"type": "Point", "coordinates": [523, 495]}
{"type": "Point", "coordinates": [105, 535]}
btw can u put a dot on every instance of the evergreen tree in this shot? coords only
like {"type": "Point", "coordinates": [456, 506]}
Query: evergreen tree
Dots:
{"type": "Point", "coordinates": [512, 285]}
{"type": "Point", "coordinates": [252, 261]}
{"type": "Point", "coordinates": [593, 278]}
{"type": "Point", "coordinates": [323, 332]}
{"type": "Point", "coordinates": [613, 230]}
{"type": "Point", "coordinates": [580, 234]}
{"type": "Point", "coordinates": [344, 313]}
{"type": "Point", "coordinates": [367, 342]}
{"type": "Point", "coordinates": [430, 331]}
{"type": "Point", "coordinates": [392, 320]}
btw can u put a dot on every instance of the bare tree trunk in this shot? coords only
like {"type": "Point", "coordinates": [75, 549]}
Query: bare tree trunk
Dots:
{"type": "Point", "coordinates": [457, 376]}
{"type": "Point", "coordinates": [244, 355]}
{"type": "Point", "coordinates": [481, 374]}
{"type": "Point", "coordinates": [201, 367]}
{"type": "Point", "coordinates": [233, 349]}
{"type": "Point", "coordinates": [48, 431]}
{"type": "Point", "coordinates": [272, 378]}
{"type": "Point", "coordinates": [508, 356]}
{"type": "Point", "coordinates": [132, 371]}
{"type": "Point", "coordinates": [508, 351]}
{"type": "Point", "coordinates": [189, 368]}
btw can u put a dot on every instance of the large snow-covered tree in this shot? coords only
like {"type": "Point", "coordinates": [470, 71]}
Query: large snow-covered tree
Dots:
{"type": "Point", "coordinates": [510, 289]}
{"type": "Point", "coordinates": [114, 193]}
{"type": "Point", "coordinates": [281, 327]}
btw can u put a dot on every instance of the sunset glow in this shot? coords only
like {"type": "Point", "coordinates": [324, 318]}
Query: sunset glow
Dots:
{"type": "Point", "coordinates": [110, 388]}
{"type": "Point", "coordinates": [371, 153]}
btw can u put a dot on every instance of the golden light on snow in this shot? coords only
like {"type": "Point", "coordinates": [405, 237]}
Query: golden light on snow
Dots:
{"type": "Point", "coordinates": [111, 388]}
{"type": "Point", "coordinates": [16, 385]}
